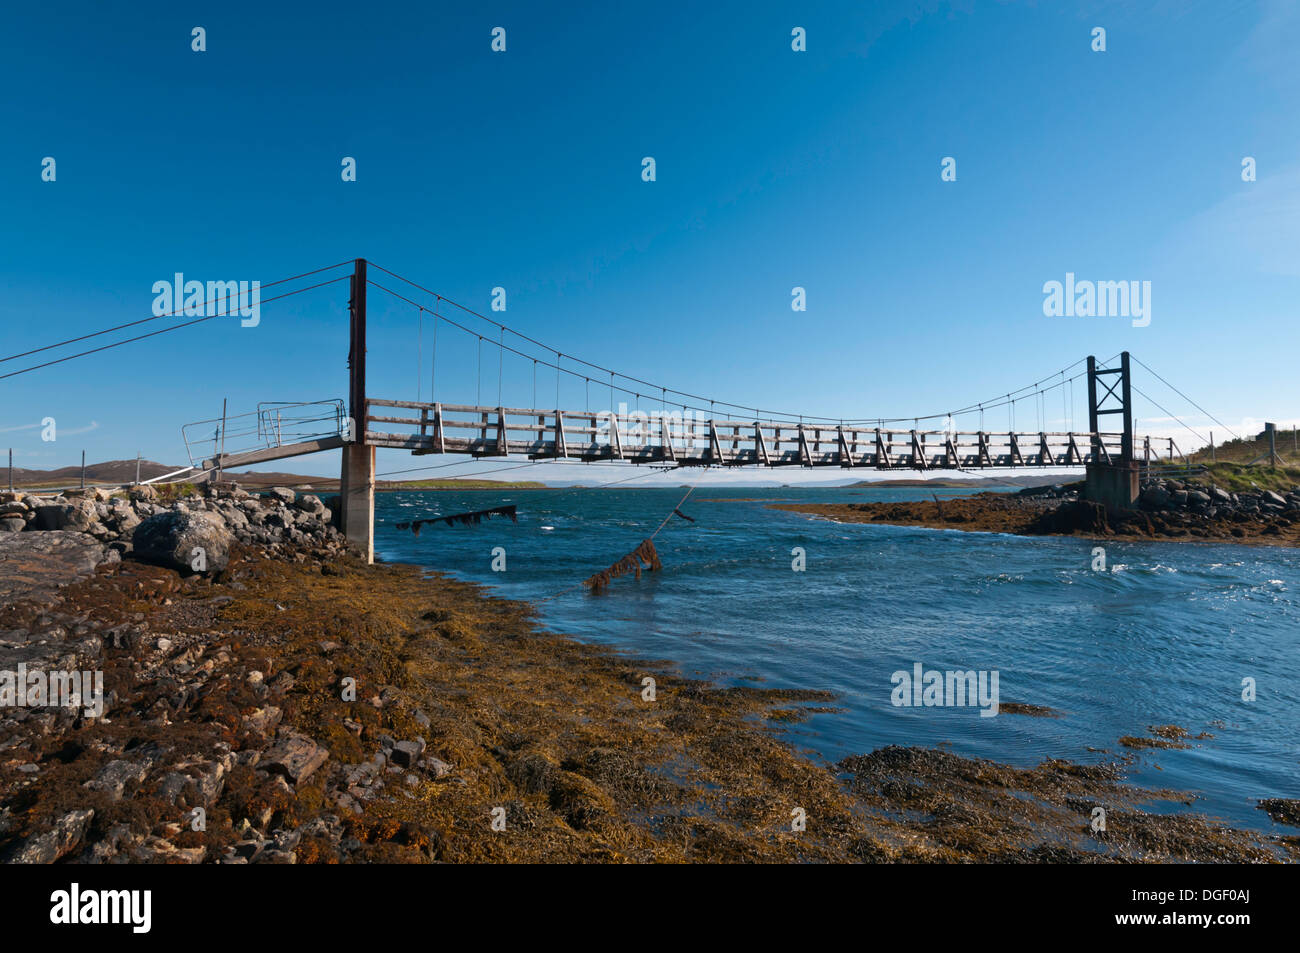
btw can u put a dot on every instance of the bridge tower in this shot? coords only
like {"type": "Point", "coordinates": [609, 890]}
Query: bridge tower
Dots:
{"type": "Point", "coordinates": [357, 479]}
{"type": "Point", "coordinates": [1111, 480]}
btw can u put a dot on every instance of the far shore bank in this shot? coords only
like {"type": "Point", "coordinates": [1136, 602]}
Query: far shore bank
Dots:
{"type": "Point", "coordinates": [1266, 518]}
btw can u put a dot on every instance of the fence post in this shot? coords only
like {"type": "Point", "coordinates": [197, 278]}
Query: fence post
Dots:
{"type": "Point", "coordinates": [221, 451]}
{"type": "Point", "coordinates": [83, 469]}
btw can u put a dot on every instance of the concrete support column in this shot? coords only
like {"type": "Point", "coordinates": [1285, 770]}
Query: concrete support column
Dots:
{"type": "Point", "coordinates": [357, 497]}
{"type": "Point", "coordinates": [1114, 487]}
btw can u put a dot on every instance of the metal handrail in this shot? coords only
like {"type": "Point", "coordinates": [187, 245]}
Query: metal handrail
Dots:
{"type": "Point", "coordinates": [270, 424]}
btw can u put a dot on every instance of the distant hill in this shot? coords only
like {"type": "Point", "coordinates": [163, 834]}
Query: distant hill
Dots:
{"type": "Point", "coordinates": [124, 471]}
{"type": "Point", "coordinates": [110, 471]}
{"type": "Point", "coordinates": [1022, 481]}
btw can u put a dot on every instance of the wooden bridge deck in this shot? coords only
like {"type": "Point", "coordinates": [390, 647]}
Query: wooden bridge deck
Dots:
{"type": "Point", "coordinates": [653, 437]}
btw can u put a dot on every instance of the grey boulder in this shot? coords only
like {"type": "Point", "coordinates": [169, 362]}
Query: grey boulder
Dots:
{"type": "Point", "coordinates": [173, 538]}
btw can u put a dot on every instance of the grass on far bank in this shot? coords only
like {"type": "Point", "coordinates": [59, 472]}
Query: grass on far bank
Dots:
{"type": "Point", "coordinates": [1237, 478]}
{"type": "Point", "coordinates": [455, 484]}
{"type": "Point", "coordinates": [1286, 443]}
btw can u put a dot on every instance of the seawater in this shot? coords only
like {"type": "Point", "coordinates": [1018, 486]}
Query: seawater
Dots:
{"type": "Point", "coordinates": [1164, 636]}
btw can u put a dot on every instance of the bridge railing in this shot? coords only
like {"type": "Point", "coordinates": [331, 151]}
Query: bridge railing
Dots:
{"type": "Point", "coordinates": [273, 424]}
{"type": "Point", "coordinates": [690, 439]}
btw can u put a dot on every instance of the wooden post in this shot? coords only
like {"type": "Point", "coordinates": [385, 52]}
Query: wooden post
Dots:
{"type": "Point", "coordinates": [11, 469]}
{"type": "Point", "coordinates": [357, 477]}
{"type": "Point", "coordinates": [137, 468]}
{"type": "Point", "coordinates": [83, 469]}
{"type": "Point", "coordinates": [221, 452]}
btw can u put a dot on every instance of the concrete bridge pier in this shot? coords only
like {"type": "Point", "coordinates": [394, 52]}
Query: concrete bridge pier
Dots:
{"type": "Point", "coordinates": [1114, 487]}
{"type": "Point", "coordinates": [357, 497]}
{"type": "Point", "coordinates": [357, 479]}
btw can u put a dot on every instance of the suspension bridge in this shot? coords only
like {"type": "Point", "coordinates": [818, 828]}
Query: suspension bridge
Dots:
{"type": "Point", "coordinates": [721, 435]}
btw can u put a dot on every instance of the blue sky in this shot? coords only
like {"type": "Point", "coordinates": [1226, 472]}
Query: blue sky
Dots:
{"type": "Point", "coordinates": [775, 169]}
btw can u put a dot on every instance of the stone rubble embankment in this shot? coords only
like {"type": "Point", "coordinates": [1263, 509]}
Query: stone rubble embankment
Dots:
{"type": "Point", "coordinates": [138, 519]}
{"type": "Point", "coordinates": [186, 714]}
{"type": "Point", "coordinates": [1173, 508]}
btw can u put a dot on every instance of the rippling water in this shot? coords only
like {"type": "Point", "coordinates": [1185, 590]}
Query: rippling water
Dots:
{"type": "Point", "coordinates": [1164, 636]}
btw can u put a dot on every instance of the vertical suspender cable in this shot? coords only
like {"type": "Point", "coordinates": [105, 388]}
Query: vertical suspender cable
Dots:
{"type": "Point", "coordinates": [433, 362]}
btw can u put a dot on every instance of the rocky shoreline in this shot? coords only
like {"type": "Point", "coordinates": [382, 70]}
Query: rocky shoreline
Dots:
{"type": "Point", "coordinates": [1168, 510]}
{"type": "Point", "coordinates": [291, 704]}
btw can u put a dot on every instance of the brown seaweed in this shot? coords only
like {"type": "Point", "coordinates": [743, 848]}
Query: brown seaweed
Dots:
{"type": "Point", "coordinates": [461, 519]}
{"type": "Point", "coordinates": [631, 563]}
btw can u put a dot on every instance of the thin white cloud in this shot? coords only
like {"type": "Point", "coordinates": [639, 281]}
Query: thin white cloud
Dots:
{"type": "Point", "coordinates": [1254, 230]}
{"type": "Point", "coordinates": [93, 425]}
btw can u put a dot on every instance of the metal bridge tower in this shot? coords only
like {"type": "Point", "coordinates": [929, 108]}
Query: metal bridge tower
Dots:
{"type": "Point", "coordinates": [1111, 481]}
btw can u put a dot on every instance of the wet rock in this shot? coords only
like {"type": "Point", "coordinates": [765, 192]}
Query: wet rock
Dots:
{"type": "Point", "coordinates": [1073, 517]}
